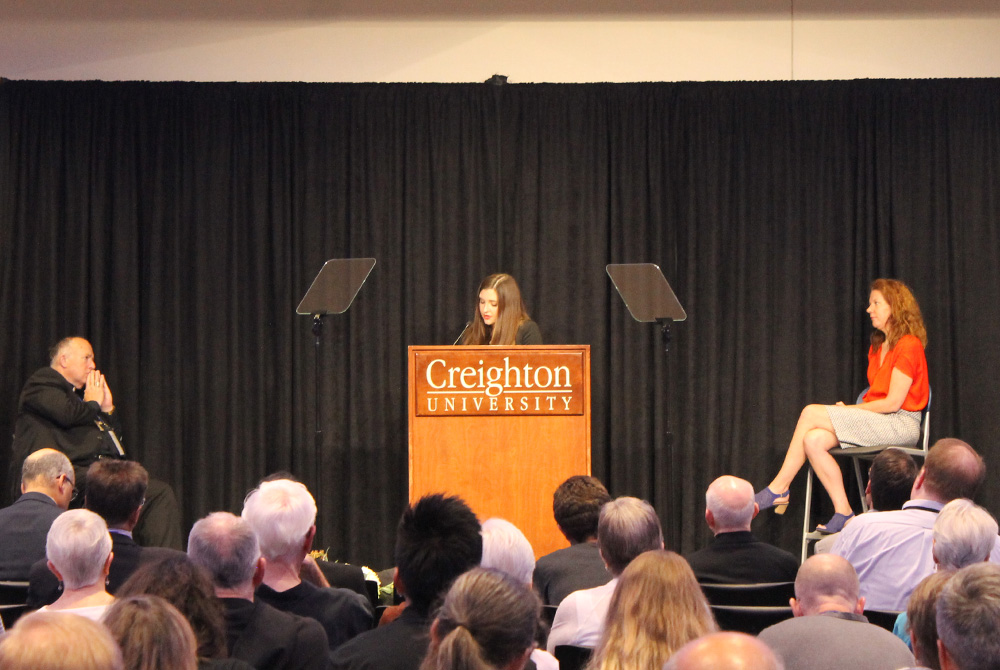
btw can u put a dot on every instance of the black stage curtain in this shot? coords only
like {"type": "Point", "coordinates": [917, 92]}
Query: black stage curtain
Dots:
{"type": "Point", "coordinates": [177, 225]}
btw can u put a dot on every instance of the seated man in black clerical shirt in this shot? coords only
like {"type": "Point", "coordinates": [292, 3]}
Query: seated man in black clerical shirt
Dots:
{"type": "Point", "coordinates": [576, 505]}
{"type": "Point", "coordinates": [68, 405]}
{"type": "Point", "coordinates": [437, 540]}
{"type": "Point", "coordinates": [735, 556]}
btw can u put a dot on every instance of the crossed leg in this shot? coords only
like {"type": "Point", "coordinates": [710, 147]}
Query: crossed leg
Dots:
{"type": "Point", "coordinates": [813, 439]}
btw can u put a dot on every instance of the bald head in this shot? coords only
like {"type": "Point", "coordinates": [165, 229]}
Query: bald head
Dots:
{"type": "Point", "coordinates": [952, 470]}
{"type": "Point", "coordinates": [734, 651]}
{"type": "Point", "coordinates": [826, 583]}
{"type": "Point", "coordinates": [48, 471]}
{"type": "Point", "coordinates": [729, 505]}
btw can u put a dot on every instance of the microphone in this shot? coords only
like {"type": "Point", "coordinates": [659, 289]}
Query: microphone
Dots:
{"type": "Point", "coordinates": [460, 335]}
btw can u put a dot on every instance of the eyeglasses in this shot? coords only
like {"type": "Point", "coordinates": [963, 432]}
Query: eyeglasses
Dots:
{"type": "Point", "coordinates": [72, 483]}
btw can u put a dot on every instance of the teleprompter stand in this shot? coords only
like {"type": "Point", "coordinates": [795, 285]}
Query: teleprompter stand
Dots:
{"type": "Point", "coordinates": [331, 292]}
{"type": "Point", "coordinates": [650, 299]}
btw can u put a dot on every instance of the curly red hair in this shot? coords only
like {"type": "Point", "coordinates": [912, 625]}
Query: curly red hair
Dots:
{"type": "Point", "coordinates": [905, 318]}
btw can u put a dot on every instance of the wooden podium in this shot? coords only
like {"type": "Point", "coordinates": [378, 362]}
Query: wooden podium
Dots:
{"type": "Point", "coordinates": [501, 427]}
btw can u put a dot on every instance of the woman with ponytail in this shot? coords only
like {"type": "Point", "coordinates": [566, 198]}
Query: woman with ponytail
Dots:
{"type": "Point", "coordinates": [487, 622]}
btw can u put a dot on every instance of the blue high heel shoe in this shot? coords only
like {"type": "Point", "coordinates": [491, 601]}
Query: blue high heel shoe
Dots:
{"type": "Point", "coordinates": [766, 499]}
{"type": "Point", "coordinates": [835, 524]}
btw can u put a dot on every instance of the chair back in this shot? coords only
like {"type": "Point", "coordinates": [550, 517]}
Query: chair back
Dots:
{"type": "Point", "coordinates": [767, 594]}
{"type": "Point", "coordinates": [571, 657]}
{"type": "Point", "coordinates": [13, 601]}
{"type": "Point", "coordinates": [549, 614]}
{"type": "Point", "coordinates": [882, 618]}
{"type": "Point", "coordinates": [748, 619]}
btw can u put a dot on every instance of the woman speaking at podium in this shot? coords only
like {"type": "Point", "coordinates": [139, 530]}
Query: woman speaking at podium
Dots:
{"type": "Point", "coordinates": [500, 316]}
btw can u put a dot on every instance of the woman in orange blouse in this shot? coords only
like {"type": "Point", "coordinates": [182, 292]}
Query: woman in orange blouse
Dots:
{"type": "Point", "coordinates": [888, 414]}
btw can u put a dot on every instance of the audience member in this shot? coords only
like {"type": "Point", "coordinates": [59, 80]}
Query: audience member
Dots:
{"type": "Point", "coordinates": [507, 550]}
{"type": "Point", "coordinates": [964, 533]}
{"type": "Point", "coordinates": [735, 556]}
{"type": "Point", "coordinates": [627, 527]}
{"type": "Point", "coordinates": [116, 491]}
{"type": "Point", "coordinates": [487, 622]}
{"type": "Point", "coordinates": [891, 551]}
{"type": "Point", "coordinates": [731, 651]}
{"type": "Point", "coordinates": [921, 614]}
{"type": "Point", "coordinates": [265, 637]}
{"type": "Point", "coordinates": [657, 608]}
{"type": "Point", "coordinates": [890, 480]}
{"type": "Point", "coordinates": [968, 618]}
{"type": "Point", "coordinates": [829, 629]}
{"type": "Point", "coordinates": [79, 555]}
{"type": "Point", "coordinates": [59, 641]}
{"type": "Point", "coordinates": [576, 505]}
{"type": "Point", "coordinates": [325, 573]}
{"type": "Point", "coordinates": [437, 540]}
{"type": "Point", "coordinates": [282, 513]}
{"type": "Point", "coordinates": [188, 588]}
{"type": "Point", "coordinates": [151, 634]}
{"type": "Point", "coordinates": [47, 487]}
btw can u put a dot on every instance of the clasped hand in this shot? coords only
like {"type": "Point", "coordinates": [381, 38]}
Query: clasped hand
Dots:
{"type": "Point", "coordinates": [97, 390]}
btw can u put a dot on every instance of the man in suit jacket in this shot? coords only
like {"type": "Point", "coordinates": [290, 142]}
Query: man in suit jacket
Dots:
{"type": "Point", "coordinates": [264, 637]}
{"type": "Point", "coordinates": [735, 556]}
{"type": "Point", "coordinates": [47, 486]}
{"type": "Point", "coordinates": [576, 505]}
{"type": "Point", "coordinates": [115, 492]}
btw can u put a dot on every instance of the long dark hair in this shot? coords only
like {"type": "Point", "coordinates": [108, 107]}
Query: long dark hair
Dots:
{"type": "Point", "coordinates": [511, 313]}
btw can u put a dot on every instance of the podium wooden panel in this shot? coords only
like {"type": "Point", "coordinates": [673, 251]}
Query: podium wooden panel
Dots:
{"type": "Point", "coordinates": [506, 451]}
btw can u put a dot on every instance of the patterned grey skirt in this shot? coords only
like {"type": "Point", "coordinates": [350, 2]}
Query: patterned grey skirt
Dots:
{"type": "Point", "coordinates": [857, 427]}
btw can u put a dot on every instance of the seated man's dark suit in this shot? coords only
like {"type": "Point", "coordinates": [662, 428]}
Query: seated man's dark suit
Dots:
{"type": "Point", "coordinates": [43, 588]}
{"type": "Point", "coordinates": [24, 527]}
{"type": "Point", "coordinates": [342, 612]}
{"type": "Point", "coordinates": [572, 568]}
{"type": "Point", "coordinates": [52, 413]}
{"type": "Point", "coordinates": [740, 558]}
{"type": "Point", "coordinates": [268, 638]}
{"type": "Point", "coordinates": [400, 645]}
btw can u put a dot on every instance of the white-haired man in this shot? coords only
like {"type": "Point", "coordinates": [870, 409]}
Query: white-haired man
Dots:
{"type": "Point", "coordinates": [626, 528]}
{"type": "Point", "coordinates": [47, 487]}
{"type": "Point", "coordinates": [264, 637]}
{"type": "Point", "coordinates": [829, 630]}
{"type": "Point", "coordinates": [283, 515]}
{"type": "Point", "coordinates": [735, 556]}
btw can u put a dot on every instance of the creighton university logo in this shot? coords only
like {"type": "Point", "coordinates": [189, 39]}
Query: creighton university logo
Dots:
{"type": "Point", "coordinates": [489, 380]}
